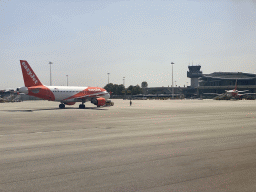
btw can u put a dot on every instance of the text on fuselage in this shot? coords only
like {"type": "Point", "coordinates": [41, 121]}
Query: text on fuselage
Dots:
{"type": "Point", "coordinates": [93, 89]}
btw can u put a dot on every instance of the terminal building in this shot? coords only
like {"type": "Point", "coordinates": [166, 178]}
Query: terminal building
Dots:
{"type": "Point", "coordinates": [207, 85]}
{"type": "Point", "coordinates": [218, 82]}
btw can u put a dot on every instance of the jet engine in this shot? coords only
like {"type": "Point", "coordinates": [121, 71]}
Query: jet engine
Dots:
{"type": "Point", "coordinates": [22, 90]}
{"type": "Point", "coordinates": [99, 101]}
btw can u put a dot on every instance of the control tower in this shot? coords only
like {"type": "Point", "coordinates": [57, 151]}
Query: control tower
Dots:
{"type": "Point", "coordinates": [194, 73]}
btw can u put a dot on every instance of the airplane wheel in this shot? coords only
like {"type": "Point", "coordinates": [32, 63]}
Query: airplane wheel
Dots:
{"type": "Point", "coordinates": [61, 106]}
{"type": "Point", "coordinates": [81, 106]}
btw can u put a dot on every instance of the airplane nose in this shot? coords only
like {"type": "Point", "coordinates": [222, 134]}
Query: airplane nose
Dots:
{"type": "Point", "coordinates": [107, 96]}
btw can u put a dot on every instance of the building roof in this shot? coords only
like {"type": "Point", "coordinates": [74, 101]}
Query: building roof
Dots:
{"type": "Point", "coordinates": [229, 75]}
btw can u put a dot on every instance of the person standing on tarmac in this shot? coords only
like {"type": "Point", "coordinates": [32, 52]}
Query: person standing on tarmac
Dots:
{"type": "Point", "coordinates": [130, 102]}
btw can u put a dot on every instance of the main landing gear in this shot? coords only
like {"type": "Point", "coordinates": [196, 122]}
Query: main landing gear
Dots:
{"type": "Point", "coordinates": [81, 106]}
{"type": "Point", "coordinates": [62, 106]}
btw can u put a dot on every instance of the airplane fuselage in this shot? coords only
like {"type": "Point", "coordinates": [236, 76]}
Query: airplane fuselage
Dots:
{"type": "Point", "coordinates": [65, 94]}
{"type": "Point", "coordinates": [232, 93]}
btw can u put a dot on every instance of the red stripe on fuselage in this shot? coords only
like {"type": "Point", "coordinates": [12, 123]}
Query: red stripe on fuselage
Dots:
{"type": "Point", "coordinates": [89, 92]}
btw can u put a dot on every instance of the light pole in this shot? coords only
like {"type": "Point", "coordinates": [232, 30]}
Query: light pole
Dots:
{"type": "Point", "coordinates": [124, 87]}
{"type": "Point", "coordinates": [50, 63]}
{"type": "Point", "coordinates": [67, 80]}
{"type": "Point", "coordinates": [175, 84]}
{"type": "Point", "coordinates": [172, 79]}
{"type": "Point", "coordinates": [108, 78]}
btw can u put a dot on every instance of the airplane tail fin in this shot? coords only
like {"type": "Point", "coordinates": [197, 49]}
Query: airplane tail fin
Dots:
{"type": "Point", "coordinates": [29, 76]}
{"type": "Point", "coordinates": [236, 85]}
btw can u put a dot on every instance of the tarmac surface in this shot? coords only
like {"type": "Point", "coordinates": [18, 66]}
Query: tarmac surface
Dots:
{"type": "Point", "coordinates": [153, 145]}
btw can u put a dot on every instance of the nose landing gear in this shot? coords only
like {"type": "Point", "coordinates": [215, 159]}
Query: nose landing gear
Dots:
{"type": "Point", "coordinates": [62, 106]}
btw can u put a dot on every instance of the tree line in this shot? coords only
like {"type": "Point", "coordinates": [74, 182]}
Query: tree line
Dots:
{"type": "Point", "coordinates": [121, 90]}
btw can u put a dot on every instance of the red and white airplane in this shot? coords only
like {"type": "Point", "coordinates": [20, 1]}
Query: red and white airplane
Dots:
{"type": "Point", "coordinates": [66, 95]}
{"type": "Point", "coordinates": [235, 92]}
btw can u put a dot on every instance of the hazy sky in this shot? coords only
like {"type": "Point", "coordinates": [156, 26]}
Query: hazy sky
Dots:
{"type": "Point", "coordinates": [86, 39]}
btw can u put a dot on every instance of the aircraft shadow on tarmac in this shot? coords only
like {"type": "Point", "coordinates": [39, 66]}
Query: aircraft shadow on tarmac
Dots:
{"type": "Point", "coordinates": [52, 109]}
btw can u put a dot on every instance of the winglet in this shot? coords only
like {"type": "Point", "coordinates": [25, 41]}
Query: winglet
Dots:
{"type": "Point", "coordinates": [29, 76]}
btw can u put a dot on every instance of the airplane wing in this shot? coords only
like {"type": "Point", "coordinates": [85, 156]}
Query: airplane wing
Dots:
{"type": "Point", "coordinates": [83, 97]}
{"type": "Point", "coordinates": [250, 94]}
